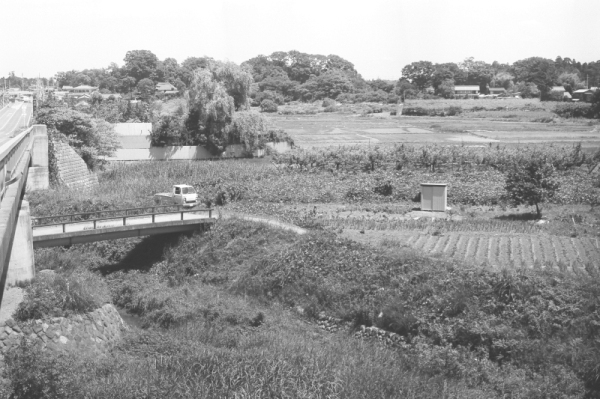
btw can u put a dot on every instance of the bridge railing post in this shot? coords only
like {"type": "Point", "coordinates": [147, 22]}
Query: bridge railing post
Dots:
{"type": "Point", "coordinates": [181, 215]}
{"type": "Point", "coordinates": [210, 213]}
{"type": "Point", "coordinates": [153, 218]}
{"type": "Point", "coordinates": [94, 224]}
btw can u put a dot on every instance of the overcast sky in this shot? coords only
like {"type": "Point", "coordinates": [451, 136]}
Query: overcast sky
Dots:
{"type": "Point", "coordinates": [379, 36]}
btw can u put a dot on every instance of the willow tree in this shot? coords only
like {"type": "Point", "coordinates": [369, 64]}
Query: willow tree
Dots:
{"type": "Point", "coordinates": [216, 92]}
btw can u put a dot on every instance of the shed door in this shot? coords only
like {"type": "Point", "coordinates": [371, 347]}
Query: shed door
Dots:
{"type": "Point", "coordinates": [426, 198]}
{"type": "Point", "coordinates": [439, 198]}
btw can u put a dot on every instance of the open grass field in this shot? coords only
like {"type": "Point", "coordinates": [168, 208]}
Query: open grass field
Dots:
{"type": "Point", "coordinates": [332, 129]}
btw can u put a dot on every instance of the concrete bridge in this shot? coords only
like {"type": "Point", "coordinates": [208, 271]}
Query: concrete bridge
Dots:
{"type": "Point", "coordinates": [78, 228]}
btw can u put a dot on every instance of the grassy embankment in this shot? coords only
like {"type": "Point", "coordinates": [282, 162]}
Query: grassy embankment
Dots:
{"type": "Point", "coordinates": [218, 305]}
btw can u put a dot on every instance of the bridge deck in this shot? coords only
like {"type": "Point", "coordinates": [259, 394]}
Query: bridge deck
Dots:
{"type": "Point", "coordinates": [77, 232]}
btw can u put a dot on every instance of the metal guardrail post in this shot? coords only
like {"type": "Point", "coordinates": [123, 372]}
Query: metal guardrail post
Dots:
{"type": "Point", "coordinates": [181, 215]}
{"type": "Point", "coordinates": [124, 220]}
{"type": "Point", "coordinates": [153, 219]}
{"type": "Point", "coordinates": [63, 225]}
{"type": "Point", "coordinates": [210, 213]}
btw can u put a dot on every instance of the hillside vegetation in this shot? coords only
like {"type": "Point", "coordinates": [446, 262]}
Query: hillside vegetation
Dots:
{"type": "Point", "coordinates": [233, 312]}
{"type": "Point", "coordinates": [215, 307]}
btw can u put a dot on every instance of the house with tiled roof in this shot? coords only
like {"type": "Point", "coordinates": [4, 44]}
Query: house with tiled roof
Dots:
{"type": "Point", "coordinates": [163, 87]}
{"type": "Point", "coordinates": [466, 90]}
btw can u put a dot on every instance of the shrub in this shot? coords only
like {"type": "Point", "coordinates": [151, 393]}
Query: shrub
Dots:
{"type": "Point", "coordinates": [268, 106]}
{"type": "Point", "coordinates": [57, 295]}
{"type": "Point", "coordinates": [531, 183]}
{"type": "Point", "coordinates": [573, 110]}
{"type": "Point", "coordinates": [328, 102]}
{"type": "Point", "coordinates": [454, 110]}
{"type": "Point", "coordinates": [384, 189]}
{"type": "Point", "coordinates": [35, 373]}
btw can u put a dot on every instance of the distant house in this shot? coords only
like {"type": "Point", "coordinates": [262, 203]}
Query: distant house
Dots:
{"type": "Point", "coordinates": [82, 104]}
{"type": "Point", "coordinates": [84, 89]}
{"type": "Point", "coordinates": [497, 90]}
{"type": "Point", "coordinates": [466, 90]}
{"type": "Point", "coordinates": [561, 90]}
{"type": "Point", "coordinates": [163, 87]}
{"type": "Point", "coordinates": [115, 96]}
{"type": "Point", "coordinates": [583, 95]}
{"type": "Point", "coordinates": [67, 88]}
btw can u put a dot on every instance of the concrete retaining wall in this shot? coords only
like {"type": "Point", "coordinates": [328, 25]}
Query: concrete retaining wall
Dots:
{"type": "Point", "coordinates": [21, 265]}
{"type": "Point", "coordinates": [191, 153]}
{"type": "Point", "coordinates": [71, 170]}
{"type": "Point", "coordinates": [38, 174]}
{"type": "Point", "coordinates": [133, 135]}
{"type": "Point", "coordinates": [96, 331]}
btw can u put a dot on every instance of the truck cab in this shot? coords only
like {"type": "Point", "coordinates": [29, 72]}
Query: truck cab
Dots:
{"type": "Point", "coordinates": [184, 195]}
{"type": "Point", "coordinates": [181, 194]}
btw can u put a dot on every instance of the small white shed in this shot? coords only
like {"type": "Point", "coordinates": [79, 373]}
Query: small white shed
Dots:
{"type": "Point", "coordinates": [433, 196]}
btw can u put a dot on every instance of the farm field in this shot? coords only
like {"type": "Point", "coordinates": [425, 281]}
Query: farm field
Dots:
{"type": "Point", "coordinates": [513, 251]}
{"type": "Point", "coordinates": [332, 129]}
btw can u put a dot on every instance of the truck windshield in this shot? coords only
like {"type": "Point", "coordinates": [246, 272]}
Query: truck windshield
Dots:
{"type": "Point", "coordinates": [188, 190]}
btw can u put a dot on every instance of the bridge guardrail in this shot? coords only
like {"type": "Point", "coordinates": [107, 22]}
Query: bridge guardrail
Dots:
{"type": "Point", "coordinates": [10, 155]}
{"type": "Point", "coordinates": [35, 221]}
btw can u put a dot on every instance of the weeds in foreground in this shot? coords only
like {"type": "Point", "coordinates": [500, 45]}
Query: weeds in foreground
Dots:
{"type": "Point", "coordinates": [58, 295]}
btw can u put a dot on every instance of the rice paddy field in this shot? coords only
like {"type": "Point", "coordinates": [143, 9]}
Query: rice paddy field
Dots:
{"type": "Point", "coordinates": [337, 129]}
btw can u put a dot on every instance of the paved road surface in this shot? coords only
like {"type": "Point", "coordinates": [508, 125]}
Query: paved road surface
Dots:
{"type": "Point", "coordinates": [12, 117]}
{"type": "Point", "coordinates": [116, 222]}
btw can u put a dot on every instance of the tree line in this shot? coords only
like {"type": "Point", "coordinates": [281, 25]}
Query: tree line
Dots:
{"type": "Point", "coordinates": [295, 76]}
{"type": "Point", "coordinates": [532, 77]}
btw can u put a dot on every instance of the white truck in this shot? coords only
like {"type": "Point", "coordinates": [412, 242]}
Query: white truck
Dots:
{"type": "Point", "coordinates": [181, 194]}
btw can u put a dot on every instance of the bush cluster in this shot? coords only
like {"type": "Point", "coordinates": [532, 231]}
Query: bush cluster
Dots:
{"type": "Point", "coordinates": [58, 295]}
{"type": "Point", "coordinates": [421, 111]}
{"type": "Point", "coordinates": [268, 106]}
{"type": "Point", "coordinates": [573, 110]}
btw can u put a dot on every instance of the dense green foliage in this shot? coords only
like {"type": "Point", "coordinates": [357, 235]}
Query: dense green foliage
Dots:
{"type": "Point", "coordinates": [268, 106]}
{"type": "Point", "coordinates": [92, 138]}
{"type": "Point", "coordinates": [574, 110]}
{"type": "Point", "coordinates": [58, 295]}
{"type": "Point", "coordinates": [469, 332]}
{"type": "Point", "coordinates": [531, 182]}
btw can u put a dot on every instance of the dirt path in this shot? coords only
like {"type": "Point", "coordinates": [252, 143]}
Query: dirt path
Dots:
{"type": "Point", "coordinates": [271, 222]}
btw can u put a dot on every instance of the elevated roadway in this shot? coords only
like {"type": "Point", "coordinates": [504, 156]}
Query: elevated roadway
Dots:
{"type": "Point", "coordinates": [13, 117]}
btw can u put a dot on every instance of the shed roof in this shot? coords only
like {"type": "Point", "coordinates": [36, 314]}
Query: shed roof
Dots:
{"type": "Point", "coordinates": [165, 86]}
{"type": "Point", "coordinates": [434, 184]}
{"type": "Point", "coordinates": [466, 87]}
{"type": "Point", "coordinates": [582, 91]}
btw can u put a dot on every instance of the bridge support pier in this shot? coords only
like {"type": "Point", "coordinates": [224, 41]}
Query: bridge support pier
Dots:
{"type": "Point", "coordinates": [38, 177]}
{"type": "Point", "coordinates": [21, 266]}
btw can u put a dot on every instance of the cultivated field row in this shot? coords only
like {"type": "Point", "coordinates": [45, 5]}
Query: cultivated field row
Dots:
{"type": "Point", "coordinates": [512, 250]}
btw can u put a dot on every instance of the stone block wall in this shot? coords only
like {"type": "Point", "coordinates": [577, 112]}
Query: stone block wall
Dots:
{"type": "Point", "coordinates": [70, 169]}
{"type": "Point", "coordinates": [96, 331]}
